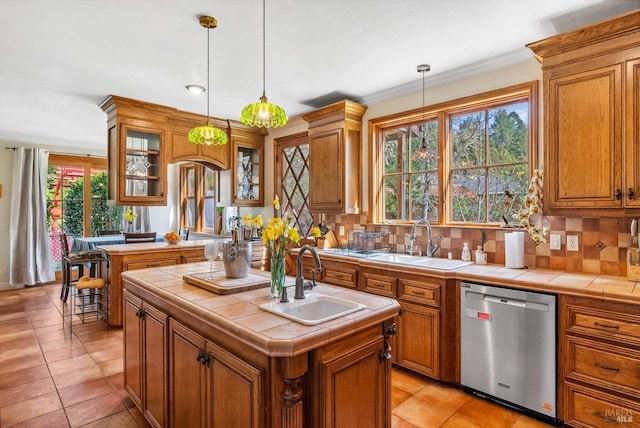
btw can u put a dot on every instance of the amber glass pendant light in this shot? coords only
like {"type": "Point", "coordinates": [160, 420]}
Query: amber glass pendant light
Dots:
{"type": "Point", "coordinates": [208, 134]}
{"type": "Point", "coordinates": [263, 114]}
{"type": "Point", "coordinates": [421, 153]}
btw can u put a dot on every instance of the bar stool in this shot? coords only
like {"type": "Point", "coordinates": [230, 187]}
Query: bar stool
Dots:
{"type": "Point", "coordinates": [90, 297]}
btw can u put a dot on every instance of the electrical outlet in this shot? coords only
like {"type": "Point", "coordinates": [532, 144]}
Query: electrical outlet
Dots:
{"type": "Point", "coordinates": [556, 242]}
{"type": "Point", "coordinates": [341, 230]}
{"type": "Point", "coordinates": [572, 243]}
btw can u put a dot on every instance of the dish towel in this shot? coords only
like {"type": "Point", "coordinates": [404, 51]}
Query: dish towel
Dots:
{"type": "Point", "coordinates": [530, 214]}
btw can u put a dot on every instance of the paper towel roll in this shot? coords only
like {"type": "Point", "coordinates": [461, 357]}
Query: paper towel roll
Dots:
{"type": "Point", "coordinates": [514, 250]}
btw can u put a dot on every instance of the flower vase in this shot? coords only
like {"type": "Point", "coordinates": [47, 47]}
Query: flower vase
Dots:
{"type": "Point", "coordinates": [277, 276]}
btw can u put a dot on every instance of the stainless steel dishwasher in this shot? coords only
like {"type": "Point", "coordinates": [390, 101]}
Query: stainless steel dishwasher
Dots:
{"type": "Point", "coordinates": [508, 349]}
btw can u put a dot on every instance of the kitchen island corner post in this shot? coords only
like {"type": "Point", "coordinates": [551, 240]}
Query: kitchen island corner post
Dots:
{"type": "Point", "coordinates": [288, 393]}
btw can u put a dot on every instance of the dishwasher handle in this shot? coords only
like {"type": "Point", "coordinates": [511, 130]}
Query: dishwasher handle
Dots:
{"type": "Point", "coordinates": [505, 301]}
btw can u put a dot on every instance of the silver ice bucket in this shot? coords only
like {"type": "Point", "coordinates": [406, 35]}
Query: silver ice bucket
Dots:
{"type": "Point", "coordinates": [237, 259]}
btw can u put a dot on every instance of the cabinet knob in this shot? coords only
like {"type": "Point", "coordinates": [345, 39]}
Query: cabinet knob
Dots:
{"type": "Point", "coordinates": [630, 193]}
{"type": "Point", "coordinates": [384, 356]}
{"type": "Point", "coordinates": [618, 194]}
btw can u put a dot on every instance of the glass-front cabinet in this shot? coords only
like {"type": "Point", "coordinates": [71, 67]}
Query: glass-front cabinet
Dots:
{"type": "Point", "coordinates": [137, 136]}
{"type": "Point", "coordinates": [143, 164]}
{"type": "Point", "coordinates": [247, 172]}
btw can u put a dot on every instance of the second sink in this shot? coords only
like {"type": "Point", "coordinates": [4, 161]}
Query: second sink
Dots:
{"type": "Point", "coordinates": [427, 262]}
{"type": "Point", "coordinates": [315, 309]}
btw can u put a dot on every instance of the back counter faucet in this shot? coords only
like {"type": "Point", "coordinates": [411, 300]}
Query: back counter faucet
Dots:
{"type": "Point", "coordinates": [431, 248]}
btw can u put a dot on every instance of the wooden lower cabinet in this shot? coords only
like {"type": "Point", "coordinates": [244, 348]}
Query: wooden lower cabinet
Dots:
{"type": "Point", "coordinates": [587, 407]}
{"type": "Point", "coordinates": [135, 256]}
{"type": "Point", "coordinates": [145, 363]}
{"type": "Point", "coordinates": [350, 383]}
{"type": "Point", "coordinates": [599, 362]}
{"type": "Point", "coordinates": [418, 339]}
{"type": "Point", "coordinates": [226, 390]}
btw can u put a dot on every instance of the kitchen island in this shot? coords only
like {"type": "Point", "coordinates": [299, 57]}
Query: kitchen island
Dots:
{"type": "Point", "coordinates": [196, 358]}
{"type": "Point", "coordinates": [124, 257]}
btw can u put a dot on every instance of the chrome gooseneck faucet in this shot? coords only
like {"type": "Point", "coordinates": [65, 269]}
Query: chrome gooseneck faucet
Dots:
{"type": "Point", "coordinates": [431, 248]}
{"type": "Point", "coordinates": [300, 283]}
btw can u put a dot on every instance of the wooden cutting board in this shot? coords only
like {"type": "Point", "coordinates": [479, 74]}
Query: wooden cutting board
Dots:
{"type": "Point", "coordinates": [218, 283]}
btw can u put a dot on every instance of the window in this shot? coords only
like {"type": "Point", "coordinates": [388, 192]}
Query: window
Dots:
{"type": "Point", "coordinates": [292, 162]}
{"type": "Point", "coordinates": [73, 207]}
{"type": "Point", "coordinates": [198, 193]}
{"type": "Point", "coordinates": [460, 162]}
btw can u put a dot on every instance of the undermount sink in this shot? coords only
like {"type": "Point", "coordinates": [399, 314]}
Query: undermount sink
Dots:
{"type": "Point", "coordinates": [427, 262]}
{"type": "Point", "coordinates": [314, 309]}
{"type": "Point", "coordinates": [396, 258]}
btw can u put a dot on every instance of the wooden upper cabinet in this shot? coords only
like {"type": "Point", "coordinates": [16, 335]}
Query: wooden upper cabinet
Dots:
{"type": "Point", "coordinates": [143, 138]}
{"type": "Point", "coordinates": [584, 139]}
{"type": "Point", "coordinates": [632, 131]}
{"type": "Point", "coordinates": [247, 166]}
{"type": "Point", "coordinates": [137, 138]}
{"type": "Point", "coordinates": [181, 149]}
{"type": "Point", "coordinates": [335, 175]}
{"type": "Point", "coordinates": [591, 144]}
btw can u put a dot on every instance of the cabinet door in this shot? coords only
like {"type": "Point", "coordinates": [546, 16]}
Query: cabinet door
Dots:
{"type": "Point", "coordinates": [632, 133]}
{"type": "Point", "coordinates": [187, 376]}
{"type": "Point", "coordinates": [132, 339]}
{"type": "Point", "coordinates": [235, 391]}
{"type": "Point", "coordinates": [141, 170]}
{"type": "Point", "coordinates": [155, 351]}
{"type": "Point", "coordinates": [326, 171]}
{"type": "Point", "coordinates": [247, 173]}
{"type": "Point", "coordinates": [354, 388]}
{"type": "Point", "coordinates": [584, 125]}
{"type": "Point", "coordinates": [418, 339]}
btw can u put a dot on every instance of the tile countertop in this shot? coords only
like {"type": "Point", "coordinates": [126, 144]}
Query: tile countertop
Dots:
{"type": "Point", "coordinates": [617, 288]}
{"type": "Point", "coordinates": [240, 316]}
{"type": "Point", "coordinates": [151, 246]}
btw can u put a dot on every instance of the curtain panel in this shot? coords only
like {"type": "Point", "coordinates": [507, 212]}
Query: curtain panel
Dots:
{"type": "Point", "coordinates": [30, 257]}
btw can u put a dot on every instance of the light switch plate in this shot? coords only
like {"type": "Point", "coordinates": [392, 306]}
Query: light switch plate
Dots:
{"type": "Point", "coordinates": [572, 243]}
{"type": "Point", "coordinates": [556, 242]}
{"type": "Point", "coordinates": [341, 230]}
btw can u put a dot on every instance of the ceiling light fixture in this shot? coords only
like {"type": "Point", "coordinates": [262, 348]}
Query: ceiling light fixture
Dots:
{"type": "Point", "coordinates": [422, 153]}
{"type": "Point", "coordinates": [263, 114]}
{"type": "Point", "coordinates": [196, 89]}
{"type": "Point", "coordinates": [207, 134]}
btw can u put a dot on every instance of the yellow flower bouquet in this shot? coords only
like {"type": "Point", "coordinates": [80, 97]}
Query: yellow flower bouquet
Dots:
{"type": "Point", "coordinates": [279, 237]}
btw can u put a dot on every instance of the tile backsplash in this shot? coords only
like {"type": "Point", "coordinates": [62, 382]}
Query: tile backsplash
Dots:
{"type": "Point", "coordinates": [603, 242]}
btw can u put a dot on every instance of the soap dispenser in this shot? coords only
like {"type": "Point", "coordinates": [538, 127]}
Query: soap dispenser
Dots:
{"type": "Point", "coordinates": [466, 254]}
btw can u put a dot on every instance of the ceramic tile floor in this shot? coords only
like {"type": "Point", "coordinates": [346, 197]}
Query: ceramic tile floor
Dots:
{"type": "Point", "coordinates": [50, 379]}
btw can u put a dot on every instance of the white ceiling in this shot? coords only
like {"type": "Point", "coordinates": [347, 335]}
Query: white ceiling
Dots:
{"type": "Point", "coordinates": [60, 58]}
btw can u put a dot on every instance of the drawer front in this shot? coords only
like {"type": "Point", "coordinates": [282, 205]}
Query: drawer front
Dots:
{"type": "Point", "coordinates": [609, 366]}
{"type": "Point", "coordinates": [151, 263]}
{"type": "Point", "coordinates": [193, 259]}
{"type": "Point", "coordinates": [425, 293]}
{"type": "Point", "coordinates": [380, 284]}
{"type": "Point", "coordinates": [591, 408]}
{"type": "Point", "coordinates": [622, 327]}
{"type": "Point", "coordinates": [344, 279]}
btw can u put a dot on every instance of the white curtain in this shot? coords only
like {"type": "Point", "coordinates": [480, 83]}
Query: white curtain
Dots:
{"type": "Point", "coordinates": [30, 258]}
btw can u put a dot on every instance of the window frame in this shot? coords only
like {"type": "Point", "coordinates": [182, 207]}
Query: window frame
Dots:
{"type": "Point", "coordinates": [442, 112]}
{"type": "Point", "coordinates": [199, 197]}
{"type": "Point", "coordinates": [280, 144]}
{"type": "Point", "coordinates": [88, 163]}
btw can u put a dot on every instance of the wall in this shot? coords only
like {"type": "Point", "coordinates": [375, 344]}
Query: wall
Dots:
{"type": "Point", "coordinates": [603, 241]}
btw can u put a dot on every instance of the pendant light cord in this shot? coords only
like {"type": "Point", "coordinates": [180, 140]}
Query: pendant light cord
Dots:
{"type": "Point", "coordinates": [264, 47]}
{"type": "Point", "coordinates": [208, 81]}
